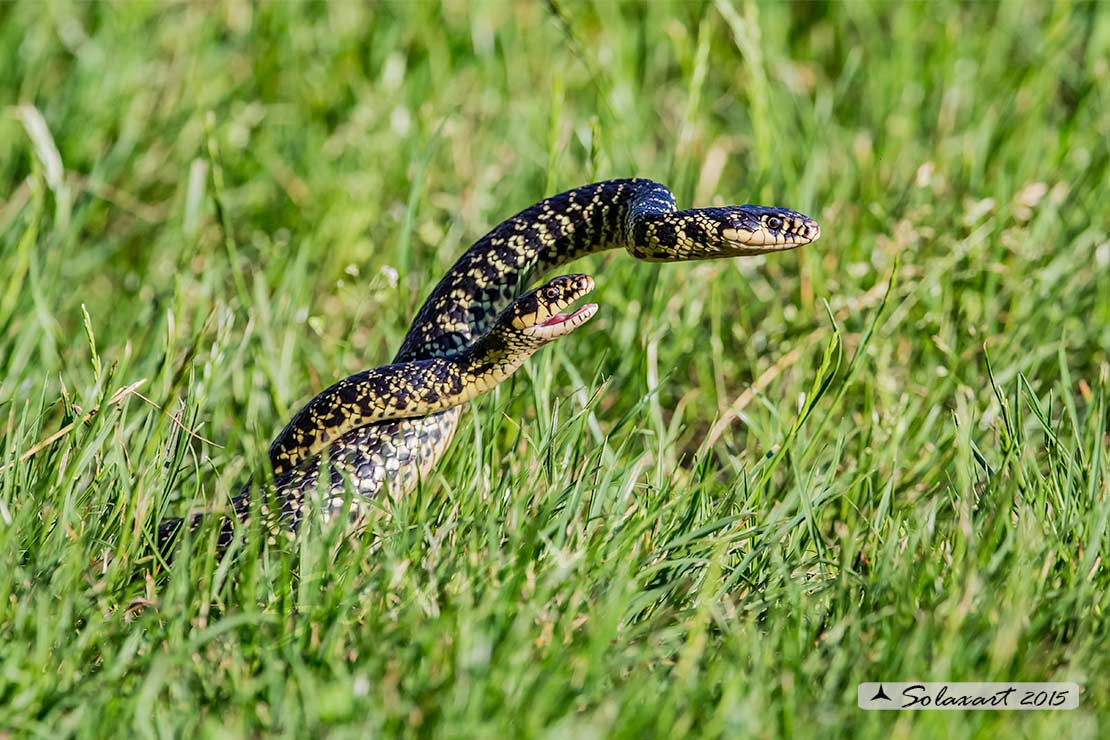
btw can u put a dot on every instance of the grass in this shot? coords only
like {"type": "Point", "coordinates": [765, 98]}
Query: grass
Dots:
{"type": "Point", "coordinates": [211, 211]}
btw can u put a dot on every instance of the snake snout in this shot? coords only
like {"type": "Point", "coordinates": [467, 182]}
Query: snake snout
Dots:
{"type": "Point", "coordinates": [805, 229]}
{"type": "Point", "coordinates": [582, 285]}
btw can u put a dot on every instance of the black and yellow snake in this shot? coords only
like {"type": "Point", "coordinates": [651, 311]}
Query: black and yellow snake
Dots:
{"type": "Point", "coordinates": [388, 426]}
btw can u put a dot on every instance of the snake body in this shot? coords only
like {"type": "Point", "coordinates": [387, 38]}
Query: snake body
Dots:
{"type": "Point", "coordinates": [370, 451]}
{"type": "Point", "coordinates": [422, 387]}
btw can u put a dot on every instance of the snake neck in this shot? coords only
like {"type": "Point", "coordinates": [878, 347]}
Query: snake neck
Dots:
{"type": "Point", "coordinates": [399, 391]}
{"type": "Point", "coordinates": [491, 359]}
{"type": "Point", "coordinates": [675, 236]}
{"type": "Point", "coordinates": [493, 272]}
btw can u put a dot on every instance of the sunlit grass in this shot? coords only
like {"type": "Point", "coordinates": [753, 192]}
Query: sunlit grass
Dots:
{"type": "Point", "coordinates": [745, 487]}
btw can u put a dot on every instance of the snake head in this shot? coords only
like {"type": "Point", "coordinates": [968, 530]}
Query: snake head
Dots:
{"type": "Point", "coordinates": [759, 229]}
{"type": "Point", "coordinates": [538, 313]}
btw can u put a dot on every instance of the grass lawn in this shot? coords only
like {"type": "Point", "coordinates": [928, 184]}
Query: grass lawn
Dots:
{"type": "Point", "coordinates": [745, 487]}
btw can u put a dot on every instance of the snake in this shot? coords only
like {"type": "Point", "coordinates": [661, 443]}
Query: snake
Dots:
{"type": "Point", "coordinates": [387, 428]}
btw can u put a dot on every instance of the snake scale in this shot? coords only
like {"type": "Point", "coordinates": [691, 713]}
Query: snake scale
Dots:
{"type": "Point", "coordinates": [388, 427]}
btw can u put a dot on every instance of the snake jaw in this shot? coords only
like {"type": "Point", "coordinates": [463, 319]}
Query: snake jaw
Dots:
{"type": "Point", "coordinates": [562, 324]}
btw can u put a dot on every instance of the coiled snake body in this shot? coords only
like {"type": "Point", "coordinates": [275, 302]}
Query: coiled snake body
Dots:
{"type": "Point", "coordinates": [367, 442]}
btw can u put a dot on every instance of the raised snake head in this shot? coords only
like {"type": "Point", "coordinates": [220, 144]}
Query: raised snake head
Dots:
{"type": "Point", "coordinates": [758, 229]}
{"type": "Point", "coordinates": [538, 313]}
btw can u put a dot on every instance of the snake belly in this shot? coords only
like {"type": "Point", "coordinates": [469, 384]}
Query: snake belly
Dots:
{"type": "Point", "coordinates": [638, 215]}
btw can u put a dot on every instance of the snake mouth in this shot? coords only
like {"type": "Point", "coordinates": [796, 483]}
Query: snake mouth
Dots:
{"type": "Point", "coordinates": [575, 317]}
{"type": "Point", "coordinates": [762, 240]}
{"type": "Point", "coordinates": [562, 324]}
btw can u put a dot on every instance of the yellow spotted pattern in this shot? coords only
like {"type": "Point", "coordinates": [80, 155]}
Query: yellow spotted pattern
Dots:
{"type": "Point", "coordinates": [386, 428]}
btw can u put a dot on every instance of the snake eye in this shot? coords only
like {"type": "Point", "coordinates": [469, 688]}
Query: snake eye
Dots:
{"type": "Point", "coordinates": [774, 223]}
{"type": "Point", "coordinates": [551, 294]}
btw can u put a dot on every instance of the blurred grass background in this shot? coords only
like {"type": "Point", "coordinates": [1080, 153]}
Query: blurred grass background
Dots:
{"type": "Point", "coordinates": [210, 211]}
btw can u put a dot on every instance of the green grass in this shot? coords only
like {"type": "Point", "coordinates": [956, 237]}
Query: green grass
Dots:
{"type": "Point", "coordinates": [215, 209]}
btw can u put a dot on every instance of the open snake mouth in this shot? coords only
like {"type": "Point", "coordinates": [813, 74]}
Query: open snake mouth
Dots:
{"type": "Point", "coordinates": [562, 324]}
{"type": "Point", "coordinates": [575, 317]}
